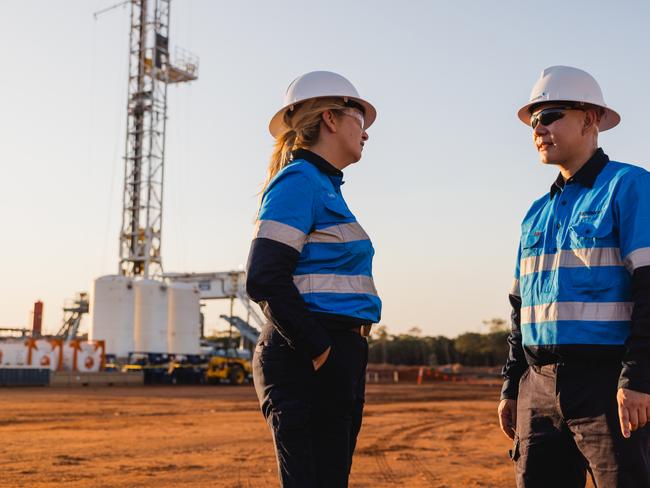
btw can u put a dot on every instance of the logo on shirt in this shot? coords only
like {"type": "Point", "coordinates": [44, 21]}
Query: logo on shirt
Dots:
{"type": "Point", "coordinates": [589, 214]}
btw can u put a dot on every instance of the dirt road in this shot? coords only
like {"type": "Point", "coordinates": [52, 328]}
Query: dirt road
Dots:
{"type": "Point", "coordinates": [435, 435]}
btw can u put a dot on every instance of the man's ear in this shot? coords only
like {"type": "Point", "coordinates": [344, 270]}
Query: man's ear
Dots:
{"type": "Point", "coordinates": [329, 120]}
{"type": "Point", "coordinates": [590, 120]}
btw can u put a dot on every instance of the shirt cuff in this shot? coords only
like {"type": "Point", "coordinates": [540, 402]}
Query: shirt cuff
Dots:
{"type": "Point", "coordinates": [510, 389]}
{"type": "Point", "coordinates": [631, 379]}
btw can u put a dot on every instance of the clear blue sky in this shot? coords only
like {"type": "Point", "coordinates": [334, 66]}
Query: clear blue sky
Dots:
{"type": "Point", "coordinates": [445, 179]}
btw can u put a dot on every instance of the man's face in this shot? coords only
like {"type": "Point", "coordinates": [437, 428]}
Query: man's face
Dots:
{"type": "Point", "coordinates": [558, 141]}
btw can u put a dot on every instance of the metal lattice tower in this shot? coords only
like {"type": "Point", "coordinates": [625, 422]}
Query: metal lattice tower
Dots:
{"type": "Point", "coordinates": [151, 70]}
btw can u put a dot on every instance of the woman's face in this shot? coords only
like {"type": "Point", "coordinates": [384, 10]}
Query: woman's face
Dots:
{"type": "Point", "coordinates": [352, 134]}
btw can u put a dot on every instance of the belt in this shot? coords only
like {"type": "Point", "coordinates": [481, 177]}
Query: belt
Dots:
{"type": "Point", "coordinates": [362, 330]}
{"type": "Point", "coordinates": [590, 365]}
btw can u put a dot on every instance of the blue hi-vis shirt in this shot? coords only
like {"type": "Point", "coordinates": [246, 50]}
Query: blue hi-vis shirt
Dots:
{"type": "Point", "coordinates": [304, 209]}
{"type": "Point", "coordinates": [579, 247]}
{"type": "Point", "coordinates": [310, 257]}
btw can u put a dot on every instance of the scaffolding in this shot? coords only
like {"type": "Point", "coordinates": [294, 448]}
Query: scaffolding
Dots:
{"type": "Point", "coordinates": [73, 311]}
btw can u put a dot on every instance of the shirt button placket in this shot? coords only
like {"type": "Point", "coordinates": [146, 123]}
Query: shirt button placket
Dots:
{"type": "Point", "coordinates": [564, 211]}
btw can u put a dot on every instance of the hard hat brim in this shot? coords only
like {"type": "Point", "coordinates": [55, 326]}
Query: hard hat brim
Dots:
{"type": "Point", "coordinates": [609, 120]}
{"type": "Point", "coordinates": [277, 126]}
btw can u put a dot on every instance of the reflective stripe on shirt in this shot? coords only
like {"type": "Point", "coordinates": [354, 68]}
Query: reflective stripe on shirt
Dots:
{"type": "Point", "coordinates": [349, 232]}
{"type": "Point", "coordinates": [277, 231]}
{"type": "Point", "coordinates": [572, 258]}
{"type": "Point", "coordinates": [332, 283]}
{"type": "Point", "coordinates": [591, 311]}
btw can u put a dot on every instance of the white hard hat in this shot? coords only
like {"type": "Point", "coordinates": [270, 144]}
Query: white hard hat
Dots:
{"type": "Point", "coordinates": [318, 84]}
{"type": "Point", "coordinates": [567, 84]}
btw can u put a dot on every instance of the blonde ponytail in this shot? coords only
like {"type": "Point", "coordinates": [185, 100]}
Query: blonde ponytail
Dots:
{"type": "Point", "coordinates": [281, 155]}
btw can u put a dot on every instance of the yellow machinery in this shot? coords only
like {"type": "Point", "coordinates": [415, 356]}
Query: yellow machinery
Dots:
{"type": "Point", "coordinates": [228, 369]}
{"type": "Point", "coordinates": [224, 367]}
{"type": "Point", "coordinates": [162, 369]}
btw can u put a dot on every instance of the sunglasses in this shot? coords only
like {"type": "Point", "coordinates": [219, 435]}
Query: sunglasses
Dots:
{"type": "Point", "coordinates": [356, 114]}
{"type": "Point", "coordinates": [548, 116]}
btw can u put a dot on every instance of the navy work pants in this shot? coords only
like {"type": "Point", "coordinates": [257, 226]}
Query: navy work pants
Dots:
{"type": "Point", "coordinates": [567, 425]}
{"type": "Point", "coordinates": [314, 417]}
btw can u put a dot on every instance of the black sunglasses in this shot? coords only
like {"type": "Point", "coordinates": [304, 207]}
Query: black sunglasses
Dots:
{"type": "Point", "coordinates": [548, 116]}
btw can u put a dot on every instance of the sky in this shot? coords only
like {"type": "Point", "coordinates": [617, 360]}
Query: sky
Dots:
{"type": "Point", "coordinates": [445, 178]}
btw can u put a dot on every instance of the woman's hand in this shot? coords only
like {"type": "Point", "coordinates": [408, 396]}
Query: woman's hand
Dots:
{"type": "Point", "coordinates": [318, 361]}
{"type": "Point", "coordinates": [508, 417]}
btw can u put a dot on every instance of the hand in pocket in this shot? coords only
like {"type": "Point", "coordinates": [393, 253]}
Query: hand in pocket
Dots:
{"type": "Point", "coordinates": [318, 361]}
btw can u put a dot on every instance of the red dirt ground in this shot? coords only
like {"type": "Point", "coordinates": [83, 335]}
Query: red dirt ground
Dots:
{"type": "Point", "coordinates": [435, 435]}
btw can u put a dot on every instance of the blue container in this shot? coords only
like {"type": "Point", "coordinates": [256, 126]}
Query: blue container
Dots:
{"type": "Point", "coordinates": [14, 376]}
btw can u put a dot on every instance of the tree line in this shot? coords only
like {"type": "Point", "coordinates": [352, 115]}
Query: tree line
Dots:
{"type": "Point", "coordinates": [469, 349]}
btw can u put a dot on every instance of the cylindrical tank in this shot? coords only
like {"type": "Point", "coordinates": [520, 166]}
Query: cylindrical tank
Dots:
{"type": "Point", "coordinates": [150, 322]}
{"type": "Point", "coordinates": [184, 319]}
{"type": "Point", "coordinates": [111, 314]}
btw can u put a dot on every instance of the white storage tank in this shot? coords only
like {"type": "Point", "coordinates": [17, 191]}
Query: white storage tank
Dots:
{"type": "Point", "coordinates": [184, 319]}
{"type": "Point", "coordinates": [150, 316]}
{"type": "Point", "coordinates": [111, 314]}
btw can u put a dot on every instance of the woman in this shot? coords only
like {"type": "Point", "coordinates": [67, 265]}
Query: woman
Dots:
{"type": "Point", "coordinates": [309, 269]}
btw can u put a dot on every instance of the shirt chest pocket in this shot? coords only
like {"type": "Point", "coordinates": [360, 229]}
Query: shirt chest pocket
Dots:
{"type": "Point", "coordinates": [532, 243]}
{"type": "Point", "coordinates": [592, 234]}
{"type": "Point", "coordinates": [335, 210]}
{"type": "Point", "coordinates": [532, 282]}
{"type": "Point", "coordinates": [594, 254]}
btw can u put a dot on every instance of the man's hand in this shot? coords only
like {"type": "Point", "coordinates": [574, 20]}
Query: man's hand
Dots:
{"type": "Point", "coordinates": [508, 417]}
{"type": "Point", "coordinates": [318, 361]}
{"type": "Point", "coordinates": [633, 410]}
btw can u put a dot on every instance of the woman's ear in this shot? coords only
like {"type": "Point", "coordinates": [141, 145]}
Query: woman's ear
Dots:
{"type": "Point", "coordinates": [329, 120]}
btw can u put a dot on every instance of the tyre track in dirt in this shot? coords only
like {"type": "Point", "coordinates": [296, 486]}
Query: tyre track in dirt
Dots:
{"type": "Point", "coordinates": [385, 472]}
{"type": "Point", "coordinates": [397, 436]}
{"type": "Point", "coordinates": [401, 438]}
{"type": "Point", "coordinates": [422, 467]}
{"type": "Point", "coordinates": [397, 439]}
{"type": "Point", "coordinates": [408, 436]}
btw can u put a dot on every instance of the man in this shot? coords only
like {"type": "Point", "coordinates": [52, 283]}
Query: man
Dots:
{"type": "Point", "coordinates": [576, 395]}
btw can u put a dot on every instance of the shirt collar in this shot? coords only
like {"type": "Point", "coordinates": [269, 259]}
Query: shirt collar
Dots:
{"type": "Point", "coordinates": [586, 175]}
{"type": "Point", "coordinates": [316, 160]}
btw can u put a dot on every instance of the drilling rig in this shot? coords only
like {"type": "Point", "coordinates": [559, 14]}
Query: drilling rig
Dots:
{"type": "Point", "coordinates": [151, 70]}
